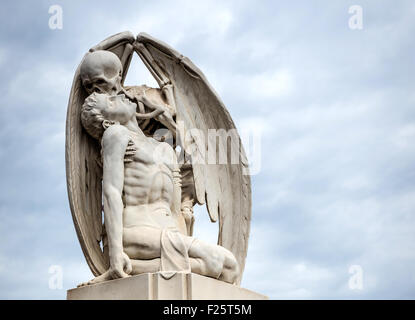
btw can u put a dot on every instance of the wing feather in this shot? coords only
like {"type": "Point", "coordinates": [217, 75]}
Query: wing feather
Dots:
{"type": "Point", "coordinates": [83, 174]}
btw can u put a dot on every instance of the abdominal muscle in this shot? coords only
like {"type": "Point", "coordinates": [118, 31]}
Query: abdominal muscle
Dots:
{"type": "Point", "coordinates": [142, 226]}
{"type": "Point", "coordinates": [157, 215]}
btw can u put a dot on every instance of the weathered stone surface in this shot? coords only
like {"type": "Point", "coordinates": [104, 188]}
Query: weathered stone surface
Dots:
{"type": "Point", "coordinates": [152, 286]}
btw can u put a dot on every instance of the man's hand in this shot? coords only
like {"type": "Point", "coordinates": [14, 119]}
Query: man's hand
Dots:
{"type": "Point", "coordinates": [120, 266]}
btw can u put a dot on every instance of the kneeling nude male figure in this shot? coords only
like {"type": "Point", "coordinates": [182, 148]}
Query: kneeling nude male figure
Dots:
{"type": "Point", "coordinates": [141, 192]}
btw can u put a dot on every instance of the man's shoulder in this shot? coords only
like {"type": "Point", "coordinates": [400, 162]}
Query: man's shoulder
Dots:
{"type": "Point", "coordinates": [115, 134]}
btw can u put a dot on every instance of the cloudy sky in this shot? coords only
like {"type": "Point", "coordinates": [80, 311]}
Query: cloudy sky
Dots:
{"type": "Point", "coordinates": [334, 107]}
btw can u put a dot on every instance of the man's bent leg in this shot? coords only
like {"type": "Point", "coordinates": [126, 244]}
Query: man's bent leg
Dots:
{"type": "Point", "coordinates": [212, 260]}
{"type": "Point", "coordinates": [230, 267]}
{"type": "Point", "coordinates": [142, 242]}
{"type": "Point", "coordinates": [145, 266]}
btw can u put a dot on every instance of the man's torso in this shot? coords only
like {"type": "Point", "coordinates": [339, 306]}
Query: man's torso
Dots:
{"type": "Point", "coordinates": [148, 184]}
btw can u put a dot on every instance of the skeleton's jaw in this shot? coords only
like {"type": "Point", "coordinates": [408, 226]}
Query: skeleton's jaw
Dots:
{"type": "Point", "coordinates": [109, 89]}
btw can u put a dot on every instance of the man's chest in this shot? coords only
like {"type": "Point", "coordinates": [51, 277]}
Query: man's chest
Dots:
{"type": "Point", "coordinates": [148, 151]}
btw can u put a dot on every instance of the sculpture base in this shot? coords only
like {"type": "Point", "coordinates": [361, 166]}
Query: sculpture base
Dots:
{"type": "Point", "coordinates": [152, 286]}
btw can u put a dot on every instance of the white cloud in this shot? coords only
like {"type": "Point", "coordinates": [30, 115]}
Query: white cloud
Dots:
{"type": "Point", "coordinates": [404, 138]}
{"type": "Point", "coordinates": [47, 82]}
{"type": "Point", "coordinates": [272, 85]}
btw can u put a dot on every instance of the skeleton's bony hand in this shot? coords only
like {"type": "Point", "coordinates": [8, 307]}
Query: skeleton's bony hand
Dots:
{"type": "Point", "coordinates": [146, 101]}
{"type": "Point", "coordinates": [162, 112]}
{"type": "Point", "coordinates": [120, 266]}
{"type": "Point", "coordinates": [167, 119]}
{"type": "Point", "coordinates": [157, 109]}
{"type": "Point", "coordinates": [130, 152]}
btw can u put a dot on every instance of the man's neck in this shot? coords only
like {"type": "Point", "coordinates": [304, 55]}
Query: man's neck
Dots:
{"type": "Point", "coordinates": [132, 126]}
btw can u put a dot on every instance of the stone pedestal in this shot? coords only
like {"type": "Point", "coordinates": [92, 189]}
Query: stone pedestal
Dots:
{"type": "Point", "coordinates": [152, 286]}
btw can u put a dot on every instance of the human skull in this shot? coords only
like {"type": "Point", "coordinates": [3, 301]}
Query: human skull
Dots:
{"type": "Point", "coordinates": [101, 72]}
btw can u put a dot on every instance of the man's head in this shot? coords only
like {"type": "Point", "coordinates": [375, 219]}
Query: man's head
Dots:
{"type": "Point", "coordinates": [101, 72]}
{"type": "Point", "coordinates": [99, 111]}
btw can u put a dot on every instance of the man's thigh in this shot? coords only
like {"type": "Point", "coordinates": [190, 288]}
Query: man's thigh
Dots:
{"type": "Point", "coordinates": [142, 242]}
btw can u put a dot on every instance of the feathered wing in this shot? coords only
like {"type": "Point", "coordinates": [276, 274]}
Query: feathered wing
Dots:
{"type": "Point", "coordinates": [225, 188]}
{"type": "Point", "coordinates": [83, 171]}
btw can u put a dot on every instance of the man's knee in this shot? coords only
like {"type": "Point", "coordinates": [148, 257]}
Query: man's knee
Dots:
{"type": "Point", "coordinates": [230, 263]}
{"type": "Point", "coordinates": [216, 261]}
{"type": "Point", "coordinates": [211, 257]}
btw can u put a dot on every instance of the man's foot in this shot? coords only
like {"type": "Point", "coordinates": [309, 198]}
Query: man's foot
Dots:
{"type": "Point", "coordinates": [103, 277]}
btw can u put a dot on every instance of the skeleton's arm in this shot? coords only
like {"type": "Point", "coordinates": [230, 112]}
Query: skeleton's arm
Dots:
{"type": "Point", "coordinates": [162, 80]}
{"type": "Point", "coordinates": [161, 112]}
{"type": "Point", "coordinates": [151, 65]}
{"type": "Point", "coordinates": [168, 93]}
{"type": "Point", "coordinates": [114, 40]}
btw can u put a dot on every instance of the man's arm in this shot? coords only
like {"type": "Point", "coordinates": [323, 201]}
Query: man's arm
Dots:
{"type": "Point", "coordinates": [114, 144]}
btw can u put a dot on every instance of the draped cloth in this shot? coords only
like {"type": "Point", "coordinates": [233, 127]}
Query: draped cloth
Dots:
{"type": "Point", "coordinates": [174, 253]}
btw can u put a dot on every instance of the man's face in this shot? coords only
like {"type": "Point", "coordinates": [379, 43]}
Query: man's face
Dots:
{"type": "Point", "coordinates": [116, 108]}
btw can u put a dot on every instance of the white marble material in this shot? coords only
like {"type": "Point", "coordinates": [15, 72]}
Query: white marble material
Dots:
{"type": "Point", "coordinates": [152, 286]}
{"type": "Point", "coordinates": [116, 156]}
